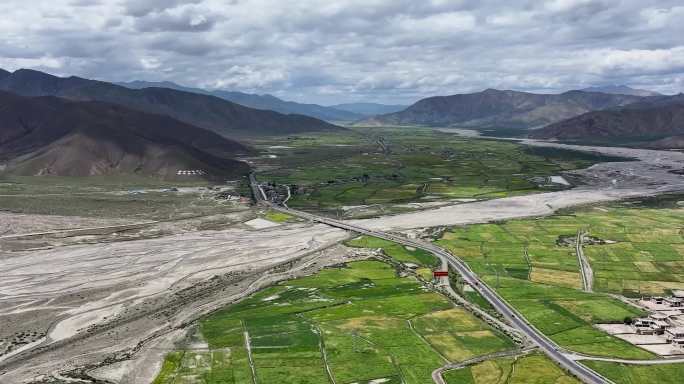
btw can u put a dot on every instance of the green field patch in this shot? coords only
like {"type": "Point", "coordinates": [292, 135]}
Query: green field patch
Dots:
{"type": "Point", "coordinates": [373, 324]}
{"type": "Point", "coordinates": [529, 369]}
{"type": "Point", "coordinates": [638, 374]}
{"type": "Point", "coordinates": [278, 217]}
{"type": "Point", "coordinates": [624, 248]}
{"type": "Point", "coordinates": [420, 163]}
{"type": "Point", "coordinates": [396, 251]}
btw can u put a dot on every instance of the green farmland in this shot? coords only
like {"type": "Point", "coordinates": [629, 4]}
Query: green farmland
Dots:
{"type": "Point", "coordinates": [391, 167]}
{"type": "Point", "coordinates": [396, 251]}
{"type": "Point", "coordinates": [532, 263]}
{"type": "Point", "coordinates": [639, 374]}
{"type": "Point", "coordinates": [529, 369]}
{"type": "Point", "coordinates": [358, 323]}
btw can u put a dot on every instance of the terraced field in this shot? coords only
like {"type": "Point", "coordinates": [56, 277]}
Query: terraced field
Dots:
{"type": "Point", "coordinates": [532, 263]}
{"type": "Point", "coordinates": [529, 369]}
{"type": "Point", "coordinates": [355, 323]}
{"type": "Point", "coordinates": [383, 166]}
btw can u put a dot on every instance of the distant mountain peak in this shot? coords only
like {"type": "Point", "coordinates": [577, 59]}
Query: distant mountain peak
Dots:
{"type": "Point", "coordinates": [621, 89]}
{"type": "Point", "coordinates": [497, 109]}
{"type": "Point", "coordinates": [202, 110]}
{"type": "Point", "coordinates": [263, 102]}
{"type": "Point", "coordinates": [656, 122]}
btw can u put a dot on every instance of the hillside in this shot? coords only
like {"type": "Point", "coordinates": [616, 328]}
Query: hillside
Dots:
{"type": "Point", "coordinates": [205, 111]}
{"type": "Point", "coordinates": [621, 90]}
{"type": "Point", "coordinates": [54, 136]}
{"type": "Point", "coordinates": [493, 109]}
{"type": "Point", "coordinates": [656, 123]}
{"type": "Point", "coordinates": [267, 102]}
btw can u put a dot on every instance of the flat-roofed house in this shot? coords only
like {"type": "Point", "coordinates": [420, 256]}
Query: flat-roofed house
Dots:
{"type": "Point", "coordinates": [642, 326]}
{"type": "Point", "coordinates": [675, 335]}
{"type": "Point", "coordinates": [673, 301]}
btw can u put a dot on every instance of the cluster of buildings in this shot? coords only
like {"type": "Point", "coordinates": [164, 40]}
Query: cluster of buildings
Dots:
{"type": "Point", "coordinates": [190, 172]}
{"type": "Point", "coordinates": [666, 318]}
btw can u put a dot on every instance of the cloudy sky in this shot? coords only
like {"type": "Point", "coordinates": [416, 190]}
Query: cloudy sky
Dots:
{"type": "Point", "coordinates": [329, 51]}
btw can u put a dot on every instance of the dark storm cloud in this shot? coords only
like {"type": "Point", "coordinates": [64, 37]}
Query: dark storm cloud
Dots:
{"type": "Point", "coordinates": [331, 51]}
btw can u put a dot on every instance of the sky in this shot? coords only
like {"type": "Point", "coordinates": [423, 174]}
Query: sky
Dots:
{"type": "Point", "coordinates": [327, 51]}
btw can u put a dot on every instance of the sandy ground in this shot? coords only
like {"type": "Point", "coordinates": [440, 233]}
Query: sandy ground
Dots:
{"type": "Point", "coordinates": [648, 175]}
{"type": "Point", "coordinates": [15, 223]}
{"type": "Point", "coordinates": [261, 223]}
{"type": "Point", "coordinates": [53, 296]}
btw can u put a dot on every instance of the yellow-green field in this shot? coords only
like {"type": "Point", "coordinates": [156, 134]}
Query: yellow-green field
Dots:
{"type": "Point", "coordinates": [639, 374]}
{"type": "Point", "coordinates": [362, 321]}
{"type": "Point", "coordinates": [390, 166]}
{"type": "Point", "coordinates": [529, 369]}
{"type": "Point", "coordinates": [633, 250]}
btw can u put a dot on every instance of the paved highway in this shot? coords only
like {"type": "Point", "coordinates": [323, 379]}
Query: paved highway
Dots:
{"type": "Point", "coordinates": [550, 348]}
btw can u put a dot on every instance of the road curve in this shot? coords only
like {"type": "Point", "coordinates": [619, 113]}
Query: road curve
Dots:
{"type": "Point", "coordinates": [551, 349]}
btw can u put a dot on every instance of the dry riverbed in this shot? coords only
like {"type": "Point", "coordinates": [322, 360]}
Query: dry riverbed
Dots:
{"type": "Point", "coordinates": [74, 306]}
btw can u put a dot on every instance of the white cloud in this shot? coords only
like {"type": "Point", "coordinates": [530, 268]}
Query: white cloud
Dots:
{"type": "Point", "coordinates": [348, 50]}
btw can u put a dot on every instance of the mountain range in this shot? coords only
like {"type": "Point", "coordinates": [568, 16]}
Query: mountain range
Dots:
{"type": "Point", "coordinates": [342, 113]}
{"type": "Point", "coordinates": [621, 90]}
{"type": "Point", "coordinates": [48, 135]}
{"type": "Point", "coordinates": [654, 122]}
{"type": "Point", "coordinates": [369, 109]}
{"type": "Point", "coordinates": [204, 111]}
{"type": "Point", "coordinates": [496, 109]}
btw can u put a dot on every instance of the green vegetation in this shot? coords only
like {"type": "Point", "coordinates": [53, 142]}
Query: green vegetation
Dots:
{"type": "Point", "coordinates": [533, 265]}
{"type": "Point", "coordinates": [277, 217]}
{"type": "Point", "coordinates": [632, 250]}
{"type": "Point", "coordinates": [638, 374]}
{"type": "Point", "coordinates": [391, 166]}
{"type": "Point", "coordinates": [98, 196]}
{"type": "Point", "coordinates": [530, 369]}
{"type": "Point", "coordinates": [396, 251]}
{"type": "Point", "coordinates": [369, 323]}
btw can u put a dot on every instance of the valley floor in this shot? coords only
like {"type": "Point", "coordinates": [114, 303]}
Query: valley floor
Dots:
{"type": "Point", "coordinates": [128, 296]}
{"type": "Point", "coordinates": [650, 174]}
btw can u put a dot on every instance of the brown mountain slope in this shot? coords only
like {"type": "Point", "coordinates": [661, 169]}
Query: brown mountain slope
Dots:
{"type": "Point", "coordinates": [655, 123]}
{"type": "Point", "coordinates": [50, 135]}
{"type": "Point", "coordinates": [205, 111]}
{"type": "Point", "coordinates": [500, 109]}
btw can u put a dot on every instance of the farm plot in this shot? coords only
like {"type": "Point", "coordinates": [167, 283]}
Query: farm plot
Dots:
{"type": "Point", "coordinates": [357, 323]}
{"type": "Point", "coordinates": [639, 374]}
{"type": "Point", "coordinates": [531, 369]}
{"type": "Point", "coordinates": [390, 167]}
{"type": "Point", "coordinates": [533, 264]}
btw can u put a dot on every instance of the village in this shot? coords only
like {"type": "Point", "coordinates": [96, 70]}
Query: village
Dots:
{"type": "Point", "coordinates": [661, 331]}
